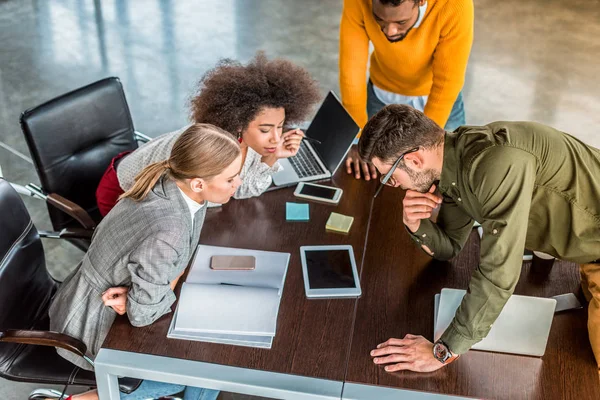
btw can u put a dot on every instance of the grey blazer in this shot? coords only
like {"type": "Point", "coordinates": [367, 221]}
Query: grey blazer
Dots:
{"type": "Point", "coordinates": [141, 245]}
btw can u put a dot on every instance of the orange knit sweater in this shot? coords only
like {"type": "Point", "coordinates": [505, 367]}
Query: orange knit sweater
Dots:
{"type": "Point", "coordinates": [431, 60]}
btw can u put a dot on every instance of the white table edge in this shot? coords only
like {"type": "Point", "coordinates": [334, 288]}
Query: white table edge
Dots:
{"type": "Point", "coordinates": [109, 364]}
{"type": "Point", "coordinates": [355, 391]}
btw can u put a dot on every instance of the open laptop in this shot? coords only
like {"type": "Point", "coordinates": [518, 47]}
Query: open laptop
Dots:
{"type": "Point", "coordinates": [336, 130]}
{"type": "Point", "coordinates": [523, 326]}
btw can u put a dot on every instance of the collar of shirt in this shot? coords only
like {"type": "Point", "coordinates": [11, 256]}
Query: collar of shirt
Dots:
{"type": "Point", "coordinates": [193, 205]}
{"type": "Point", "coordinates": [449, 177]}
{"type": "Point", "coordinates": [251, 157]}
{"type": "Point", "coordinates": [422, 11]}
{"type": "Point", "coordinates": [388, 97]}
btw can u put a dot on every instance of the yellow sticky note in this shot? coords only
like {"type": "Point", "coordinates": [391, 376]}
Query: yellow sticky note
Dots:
{"type": "Point", "coordinates": [339, 223]}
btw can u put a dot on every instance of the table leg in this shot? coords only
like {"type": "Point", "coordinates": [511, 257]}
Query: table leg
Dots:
{"type": "Point", "coordinates": [108, 384]}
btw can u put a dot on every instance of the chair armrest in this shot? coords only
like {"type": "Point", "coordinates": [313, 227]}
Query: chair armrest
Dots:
{"type": "Point", "coordinates": [46, 338]}
{"type": "Point", "coordinates": [140, 137]}
{"type": "Point", "coordinates": [72, 209]}
{"type": "Point", "coordinates": [60, 340]}
{"type": "Point", "coordinates": [75, 233]}
{"type": "Point", "coordinates": [26, 191]}
{"type": "Point", "coordinates": [68, 233]}
{"type": "Point", "coordinates": [59, 202]}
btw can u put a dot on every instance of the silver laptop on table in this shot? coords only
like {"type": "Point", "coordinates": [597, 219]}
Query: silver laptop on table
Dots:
{"type": "Point", "coordinates": [523, 326]}
{"type": "Point", "coordinates": [335, 129]}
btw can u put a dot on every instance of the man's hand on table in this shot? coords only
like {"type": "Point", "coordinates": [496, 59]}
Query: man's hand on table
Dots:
{"type": "Point", "coordinates": [355, 165]}
{"type": "Point", "coordinates": [413, 353]}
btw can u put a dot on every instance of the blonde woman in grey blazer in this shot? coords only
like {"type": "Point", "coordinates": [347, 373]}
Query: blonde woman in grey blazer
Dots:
{"type": "Point", "coordinates": [253, 101]}
{"type": "Point", "coordinates": [145, 243]}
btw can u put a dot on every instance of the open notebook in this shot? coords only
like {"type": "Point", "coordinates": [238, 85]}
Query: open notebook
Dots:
{"type": "Point", "coordinates": [231, 307]}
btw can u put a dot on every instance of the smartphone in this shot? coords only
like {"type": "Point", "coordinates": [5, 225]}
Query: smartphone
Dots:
{"type": "Point", "coordinates": [323, 193]}
{"type": "Point", "coordinates": [233, 263]}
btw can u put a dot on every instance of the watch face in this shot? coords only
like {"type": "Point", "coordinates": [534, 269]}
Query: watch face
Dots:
{"type": "Point", "coordinates": [440, 351]}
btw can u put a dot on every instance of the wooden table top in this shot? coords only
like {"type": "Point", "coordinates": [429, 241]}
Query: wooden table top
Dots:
{"type": "Point", "coordinates": [313, 336]}
{"type": "Point", "coordinates": [399, 282]}
{"type": "Point", "coordinates": [331, 339]}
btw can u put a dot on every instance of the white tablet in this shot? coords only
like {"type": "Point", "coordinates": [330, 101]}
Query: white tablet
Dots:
{"type": "Point", "coordinates": [329, 271]}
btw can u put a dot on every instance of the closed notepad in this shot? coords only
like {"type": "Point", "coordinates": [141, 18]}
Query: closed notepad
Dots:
{"type": "Point", "coordinates": [339, 223]}
{"type": "Point", "coordinates": [227, 309]}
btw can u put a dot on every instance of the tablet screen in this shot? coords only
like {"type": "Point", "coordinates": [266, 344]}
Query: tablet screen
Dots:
{"type": "Point", "coordinates": [329, 269]}
{"type": "Point", "coordinates": [318, 191]}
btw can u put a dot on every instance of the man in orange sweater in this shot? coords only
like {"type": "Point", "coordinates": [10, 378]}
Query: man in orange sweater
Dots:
{"type": "Point", "coordinates": [421, 48]}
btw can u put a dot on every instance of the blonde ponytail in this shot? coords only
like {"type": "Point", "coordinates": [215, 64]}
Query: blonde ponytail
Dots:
{"type": "Point", "coordinates": [145, 181]}
{"type": "Point", "coordinates": [202, 151]}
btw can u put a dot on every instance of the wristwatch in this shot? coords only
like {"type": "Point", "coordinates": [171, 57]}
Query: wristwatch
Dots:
{"type": "Point", "coordinates": [442, 353]}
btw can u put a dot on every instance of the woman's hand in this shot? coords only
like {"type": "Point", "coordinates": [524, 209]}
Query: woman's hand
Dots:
{"type": "Point", "coordinates": [174, 282]}
{"type": "Point", "coordinates": [289, 144]}
{"type": "Point", "coordinates": [116, 298]}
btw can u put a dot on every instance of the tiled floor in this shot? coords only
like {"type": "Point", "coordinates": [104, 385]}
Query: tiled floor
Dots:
{"type": "Point", "coordinates": [531, 60]}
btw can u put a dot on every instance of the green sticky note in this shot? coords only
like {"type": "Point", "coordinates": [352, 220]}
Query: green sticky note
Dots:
{"type": "Point", "coordinates": [339, 223]}
{"type": "Point", "coordinates": [296, 212]}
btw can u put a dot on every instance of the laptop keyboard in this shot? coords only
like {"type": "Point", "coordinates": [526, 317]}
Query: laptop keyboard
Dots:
{"type": "Point", "coordinates": [304, 163]}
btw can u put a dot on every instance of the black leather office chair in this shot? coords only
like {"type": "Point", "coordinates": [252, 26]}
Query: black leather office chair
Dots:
{"type": "Point", "coordinates": [27, 351]}
{"type": "Point", "coordinates": [72, 140]}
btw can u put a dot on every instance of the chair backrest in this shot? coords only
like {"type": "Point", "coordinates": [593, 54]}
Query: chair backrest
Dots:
{"type": "Point", "coordinates": [73, 138]}
{"type": "Point", "coordinates": [26, 288]}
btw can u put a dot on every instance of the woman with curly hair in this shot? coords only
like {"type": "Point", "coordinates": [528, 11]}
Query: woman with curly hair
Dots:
{"type": "Point", "coordinates": [253, 102]}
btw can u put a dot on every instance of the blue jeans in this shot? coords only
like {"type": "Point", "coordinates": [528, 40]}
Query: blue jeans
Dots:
{"type": "Point", "coordinates": [154, 390]}
{"type": "Point", "coordinates": [456, 119]}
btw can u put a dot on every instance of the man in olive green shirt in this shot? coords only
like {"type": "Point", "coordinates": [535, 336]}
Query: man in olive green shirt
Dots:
{"type": "Point", "coordinates": [529, 185]}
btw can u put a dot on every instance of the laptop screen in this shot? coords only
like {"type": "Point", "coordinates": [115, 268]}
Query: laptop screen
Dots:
{"type": "Point", "coordinates": [335, 129]}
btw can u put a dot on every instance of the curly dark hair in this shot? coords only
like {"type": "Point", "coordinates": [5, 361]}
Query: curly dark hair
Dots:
{"type": "Point", "coordinates": [231, 94]}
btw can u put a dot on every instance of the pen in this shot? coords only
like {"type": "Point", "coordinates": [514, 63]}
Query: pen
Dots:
{"type": "Point", "coordinates": [312, 140]}
{"type": "Point", "coordinates": [308, 138]}
{"type": "Point", "coordinates": [287, 185]}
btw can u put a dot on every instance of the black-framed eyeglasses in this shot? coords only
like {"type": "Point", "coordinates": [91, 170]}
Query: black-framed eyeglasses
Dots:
{"type": "Point", "coordinates": [387, 179]}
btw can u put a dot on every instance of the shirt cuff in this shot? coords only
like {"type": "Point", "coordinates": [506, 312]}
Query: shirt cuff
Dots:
{"type": "Point", "coordinates": [457, 343]}
{"type": "Point", "coordinates": [146, 314]}
{"type": "Point", "coordinates": [423, 235]}
{"type": "Point", "coordinates": [264, 168]}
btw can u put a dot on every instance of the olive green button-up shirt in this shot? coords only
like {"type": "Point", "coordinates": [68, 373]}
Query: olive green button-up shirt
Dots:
{"type": "Point", "coordinates": [530, 186]}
